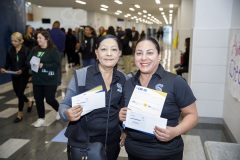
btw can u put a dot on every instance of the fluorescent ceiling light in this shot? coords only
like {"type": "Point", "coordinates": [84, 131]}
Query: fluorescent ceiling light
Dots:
{"type": "Point", "coordinates": [81, 2]}
{"type": "Point", "coordinates": [171, 5]}
{"type": "Point", "coordinates": [104, 6]}
{"type": "Point", "coordinates": [131, 9]}
{"type": "Point", "coordinates": [118, 2]}
{"type": "Point", "coordinates": [103, 9]}
{"type": "Point", "coordinates": [137, 6]}
{"type": "Point", "coordinates": [157, 1]}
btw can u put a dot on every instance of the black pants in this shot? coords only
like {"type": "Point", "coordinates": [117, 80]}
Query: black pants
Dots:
{"type": "Point", "coordinates": [19, 85]}
{"type": "Point", "coordinates": [48, 92]}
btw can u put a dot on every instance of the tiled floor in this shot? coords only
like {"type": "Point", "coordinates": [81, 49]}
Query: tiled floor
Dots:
{"type": "Point", "coordinates": [24, 142]}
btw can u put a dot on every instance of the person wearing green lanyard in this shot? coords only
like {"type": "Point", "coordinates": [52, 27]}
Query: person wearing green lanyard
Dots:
{"type": "Point", "coordinates": [16, 61]}
{"type": "Point", "coordinates": [45, 78]}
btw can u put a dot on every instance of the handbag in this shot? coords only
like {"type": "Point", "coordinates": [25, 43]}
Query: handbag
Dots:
{"type": "Point", "coordinates": [93, 151]}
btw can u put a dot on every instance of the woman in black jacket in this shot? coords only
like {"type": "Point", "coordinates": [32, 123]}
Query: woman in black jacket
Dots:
{"type": "Point", "coordinates": [16, 61]}
{"type": "Point", "coordinates": [127, 50]}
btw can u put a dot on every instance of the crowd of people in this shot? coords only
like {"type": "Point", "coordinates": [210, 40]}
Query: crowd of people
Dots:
{"type": "Point", "coordinates": [39, 57]}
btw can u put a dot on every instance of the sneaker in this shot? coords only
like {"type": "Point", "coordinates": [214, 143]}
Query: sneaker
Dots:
{"type": "Point", "coordinates": [57, 116]}
{"type": "Point", "coordinates": [40, 122]}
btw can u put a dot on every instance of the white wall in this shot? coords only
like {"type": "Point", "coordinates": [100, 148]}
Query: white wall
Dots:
{"type": "Point", "coordinates": [68, 17]}
{"type": "Point", "coordinates": [209, 55]}
{"type": "Point", "coordinates": [185, 22]}
{"type": "Point", "coordinates": [231, 109]}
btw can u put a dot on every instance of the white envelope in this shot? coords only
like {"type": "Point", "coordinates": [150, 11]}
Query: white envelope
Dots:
{"type": "Point", "coordinates": [90, 100]}
{"type": "Point", "coordinates": [143, 122]}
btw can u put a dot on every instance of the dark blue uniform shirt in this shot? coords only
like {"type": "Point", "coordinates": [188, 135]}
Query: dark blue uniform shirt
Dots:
{"type": "Point", "coordinates": [179, 95]}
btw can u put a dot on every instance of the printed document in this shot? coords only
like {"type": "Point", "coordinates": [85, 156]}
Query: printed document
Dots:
{"type": "Point", "coordinates": [90, 100]}
{"type": "Point", "coordinates": [11, 72]}
{"type": "Point", "coordinates": [145, 108]}
{"type": "Point", "coordinates": [34, 62]}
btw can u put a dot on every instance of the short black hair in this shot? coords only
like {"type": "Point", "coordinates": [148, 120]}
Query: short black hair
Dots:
{"type": "Point", "coordinates": [107, 36]}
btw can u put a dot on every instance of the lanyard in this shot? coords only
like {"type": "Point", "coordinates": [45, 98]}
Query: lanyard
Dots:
{"type": "Point", "coordinates": [17, 57]}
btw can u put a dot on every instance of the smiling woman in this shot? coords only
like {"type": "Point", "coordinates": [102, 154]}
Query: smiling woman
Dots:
{"type": "Point", "coordinates": [103, 123]}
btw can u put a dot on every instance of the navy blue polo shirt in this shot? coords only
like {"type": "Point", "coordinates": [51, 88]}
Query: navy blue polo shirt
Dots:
{"type": "Point", "coordinates": [77, 132]}
{"type": "Point", "coordinates": [179, 95]}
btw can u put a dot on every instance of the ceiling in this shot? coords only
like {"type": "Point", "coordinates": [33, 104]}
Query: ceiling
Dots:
{"type": "Point", "coordinates": [94, 5]}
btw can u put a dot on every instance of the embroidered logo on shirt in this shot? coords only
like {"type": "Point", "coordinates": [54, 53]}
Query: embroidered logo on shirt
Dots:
{"type": "Point", "coordinates": [51, 73]}
{"type": "Point", "coordinates": [40, 54]}
{"type": "Point", "coordinates": [159, 87]}
{"type": "Point", "coordinates": [119, 86]}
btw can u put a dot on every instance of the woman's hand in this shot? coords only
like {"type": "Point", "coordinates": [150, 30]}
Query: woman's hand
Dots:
{"type": "Point", "coordinates": [3, 70]}
{"type": "Point", "coordinates": [19, 71]}
{"type": "Point", "coordinates": [122, 138]}
{"type": "Point", "coordinates": [122, 114]}
{"type": "Point", "coordinates": [74, 113]}
{"type": "Point", "coordinates": [40, 65]}
{"type": "Point", "coordinates": [165, 135]}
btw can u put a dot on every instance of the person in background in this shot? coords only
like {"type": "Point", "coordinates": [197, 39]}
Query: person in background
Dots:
{"type": "Point", "coordinates": [77, 46]}
{"type": "Point", "coordinates": [120, 33]}
{"type": "Point", "coordinates": [29, 40]}
{"type": "Point", "coordinates": [87, 48]}
{"type": "Point", "coordinates": [111, 31]}
{"type": "Point", "coordinates": [183, 66]}
{"type": "Point", "coordinates": [106, 74]}
{"type": "Point", "coordinates": [16, 61]}
{"type": "Point", "coordinates": [135, 36]}
{"type": "Point", "coordinates": [165, 143]}
{"type": "Point", "coordinates": [45, 80]}
{"type": "Point", "coordinates": [143, 34]}
{"type": "Point", "coordinates": [70, 47]}
{"type": "Point", "coordinates": [102, 31]}
{"type": "Point", "coordinates": [127, 51]}
{"type": "Point", "coordinates": [58, 37]}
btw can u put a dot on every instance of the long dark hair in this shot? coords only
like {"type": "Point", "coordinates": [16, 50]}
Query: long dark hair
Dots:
{"type": "Point", "coordinates": [46, 35]}
{"type": "Point", "coordinates": [153, 40]}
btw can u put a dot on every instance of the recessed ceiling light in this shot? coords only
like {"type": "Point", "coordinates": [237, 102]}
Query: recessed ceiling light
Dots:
{"type": "Point", "coordinates": [170, 11]}
{"type": "Point", "coordinates": [119, 11]}
{"type": "Point", "coordinates": [118, 2]}
{"type": "Point", "coordinates": [104, 6]}
{"type": "Point", "coordinates": [144, 11]}
{"type": "Point", "coordinates": [137, 6]}
{"type": "Point", "coordinates": [139, 13]}
{"type": "Point", "coordinates": [39, 6]}
{"type": "Point", "coordinates": [161, 9]}
{"type": "Point", "coordinates": [157, 1]}
{"type": "Point", "coordinates": [81, 2]}
{"type": "Point", "coordinates": [171, 5]}
{"type": "Point", "coordinates": [103, 9]}
{"type": "Point", "coordinates": [131, 9]}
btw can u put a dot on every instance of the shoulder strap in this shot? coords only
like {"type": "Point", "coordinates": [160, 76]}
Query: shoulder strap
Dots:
{"type": "Point", "coordinates": [80, 76]}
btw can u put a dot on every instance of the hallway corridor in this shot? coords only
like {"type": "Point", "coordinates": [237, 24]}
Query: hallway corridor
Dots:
{"type": "Point", "coordinates": [22, 141]}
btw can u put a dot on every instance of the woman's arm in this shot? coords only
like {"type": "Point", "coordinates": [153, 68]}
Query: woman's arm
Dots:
{"type": "Point", "coordinates": [190, 119]}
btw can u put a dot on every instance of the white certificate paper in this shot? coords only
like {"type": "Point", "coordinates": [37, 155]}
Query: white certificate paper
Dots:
{"type": "Point", "coordinates": [34, 62]}
{"type": "Point", "coordinates": [11, 72]}
{"type": "Point", "coordinates": [90, 100]}
{"type": "Point", "coordinates": [145, 108]}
